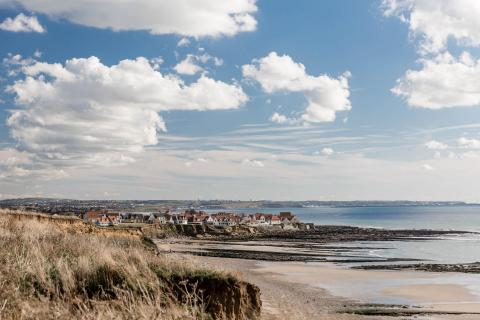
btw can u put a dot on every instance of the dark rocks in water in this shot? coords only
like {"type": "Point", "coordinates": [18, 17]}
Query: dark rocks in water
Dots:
{"type": "Point", "coordinates": [429, 267]}
{"type": "Point", "coordinates": [329, 234]}
{"type": "Point", "coordinates": [294, 232]}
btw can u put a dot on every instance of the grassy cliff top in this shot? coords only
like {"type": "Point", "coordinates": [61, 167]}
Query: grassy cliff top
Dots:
{"type": "Point", "coordinates": [50, 271]}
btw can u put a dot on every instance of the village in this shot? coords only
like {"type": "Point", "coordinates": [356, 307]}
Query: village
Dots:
{"type": "Point", "coordinates": [107, 218]}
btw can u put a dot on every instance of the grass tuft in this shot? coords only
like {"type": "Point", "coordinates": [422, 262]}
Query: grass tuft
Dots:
{"type": "Point", "coordinates": [49, 273]}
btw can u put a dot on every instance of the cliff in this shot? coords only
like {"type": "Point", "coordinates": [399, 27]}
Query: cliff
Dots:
{"type": "Point", "coordinates": [63, 266]}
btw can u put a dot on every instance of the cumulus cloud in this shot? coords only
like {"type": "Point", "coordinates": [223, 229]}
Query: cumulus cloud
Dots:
{"type": "Point", "coordinates": [15, 165]}
{"type": "Point", "coordinates": [280, 118]}
{"type": "Point", "coordinates": [253, 163]}
{"type": "Point", "coordinates": [196, 18]}
{"type": "Point", "coordinates": [469, 143]}
{"type": "Point", "coordinates": [325, 95]}
{"type": "Point", "coordinates": [436, 145]}
{"type": "Point", "coordinates": [88, 113]}
{"type": "Point", "coordinates": [22, 23]}
{"type": "Point", "coordinates": [442, 82]}
{"type": "Point", "coordinates": [190, 66]}
{"type": "Point", "coordinates": [327, 151]}
{"type": "Point", "coordinates": [437, 21]}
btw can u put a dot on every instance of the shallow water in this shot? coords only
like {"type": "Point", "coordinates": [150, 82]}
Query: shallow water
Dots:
{"type": "Point", "coordinates": [463, 248]}
{"type": "Point", "coordinates": [446, 249]}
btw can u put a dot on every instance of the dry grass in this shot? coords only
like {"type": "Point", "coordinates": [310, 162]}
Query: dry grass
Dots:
{"type": "Point", "coordinates": [46, 273]}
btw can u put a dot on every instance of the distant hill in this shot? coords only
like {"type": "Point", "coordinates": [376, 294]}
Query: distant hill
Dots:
{"type": "Point", "coordinates": [145, 205]}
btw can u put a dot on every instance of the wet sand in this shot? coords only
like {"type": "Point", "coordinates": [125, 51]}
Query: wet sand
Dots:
{"type": "Point", "coordinates": [291, 291]}
{"type": "Point", "coordinates": [436, 294]}
{"type": "Point", "coordinates": [324, 290]}
{"type": "Point", "coordinates": [449, 297]}
{"type": "Point", "coordinates": [283, 299]}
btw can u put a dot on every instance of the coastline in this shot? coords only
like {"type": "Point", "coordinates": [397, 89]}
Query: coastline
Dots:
{"type": "Point", "coordinates": [288, 292]}
{"type": "Point", "coordinates": [301, 276]}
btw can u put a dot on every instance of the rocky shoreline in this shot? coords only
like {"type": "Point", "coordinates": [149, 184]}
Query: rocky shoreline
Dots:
{"type": "Point", "coordinates": [283, 256]}
{"type": "Point", "coordinates": [317, 244]}
{"type": "Point", "coordinates": [330, 233]}
{"type": "Point", "coordinates": [428, 267]}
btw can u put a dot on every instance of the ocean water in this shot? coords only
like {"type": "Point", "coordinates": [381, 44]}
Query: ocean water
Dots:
{"type": "Point", "coordinates": [445, 249]}
{"type": "Point", "coordinates": [464, 248]}
{"type": "Point", "coordinates": [411, 217]}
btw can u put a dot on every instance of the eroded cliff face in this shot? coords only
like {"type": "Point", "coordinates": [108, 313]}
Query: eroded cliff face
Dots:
{"type": "Point", "coordinates": [223, 297]}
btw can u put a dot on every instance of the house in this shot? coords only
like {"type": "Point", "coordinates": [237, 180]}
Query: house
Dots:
{"type": "Point", "coordinates": [195, 219]}
{"type": "Point", "coordinates": [288, 218]}
{"type": "Point", "coordinates": [151, 219]}
{"type": "Point", "coordinates": [106, 220]}
{"type": "Point", "coordinates": [275, 220]}
{"type": "Point", "coordinates": [169, 219]}
{"type": "Point", "coordinates": [224, 222]}
{"type": "Point", "coordinates": [260, 218]}
{"type": "Point", "coordinates": [162, 218]}
{"type": "Point", "coordinates": [180, 219]}
{"type": "Point", "coordinates": [207, 219]}
{"type": "Point", "coordinates": [93, 215]}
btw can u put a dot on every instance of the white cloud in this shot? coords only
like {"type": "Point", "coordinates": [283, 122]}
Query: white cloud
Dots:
{"type": "Point", "coordinates": [325, 95]}
{"type": "Point", "coordinates": [437, 21]}
{"type": "Point", "coordinates": [253, 163]}
{"type": "Point", "coordinates": [188, 66]}
{"type": "Point", "coordinates": [442, 82]}
{"type": "Point", "coordinates": [436, 145]}
{"type": "Point", "coordinates": [183, 42]}
{"type": "Point", "coordinates": [37, 54]}
{"type": "Point", "coordinates": [327, 151]}
{"type": "Point", "coordinates": [16, 165]}
{"type": "Point", "coordinates": [88, 113]}
{"type": "Point", "coordinates": [469, 143]}
{"type": "Point", "coordinates": [427, 167]}
{"type": "Point", "coordinates": [279, 118]}
{"type": "Point", "coordinates": [196, 18]}
{"type": "Point", "coordinates": [156, 62]}
{"type": "Point", "coordinates": [22, 23]}
{"type": "Point", "coordinates": [217, 61]}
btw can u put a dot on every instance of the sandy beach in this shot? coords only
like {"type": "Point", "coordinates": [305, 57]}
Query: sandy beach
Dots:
{"type": "Point", "coordinates": [323, 290]}
{"type": "Point", "coordinates": [292, 291]}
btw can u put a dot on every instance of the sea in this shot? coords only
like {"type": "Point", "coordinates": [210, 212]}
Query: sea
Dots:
{"type": "Point", "coordinates": [455, 249]}
{"type": "Point", "coordinates": [463, 248]}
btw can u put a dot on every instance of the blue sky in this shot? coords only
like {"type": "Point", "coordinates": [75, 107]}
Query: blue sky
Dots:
{"type": "Point", "coordinates": [274, 99]}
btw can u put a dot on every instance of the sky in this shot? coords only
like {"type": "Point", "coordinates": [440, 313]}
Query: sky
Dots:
{"type": "Point", "coordinates": [244, 99]}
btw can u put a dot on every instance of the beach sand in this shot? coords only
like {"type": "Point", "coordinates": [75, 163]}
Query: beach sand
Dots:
{"type": "Point", "coordinates": [294, 291]}
{"type": "Point", "coordinates": [298, 290]}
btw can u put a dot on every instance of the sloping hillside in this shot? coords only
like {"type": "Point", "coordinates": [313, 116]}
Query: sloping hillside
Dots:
{"type": "Point", "coordinates": [61, 268]}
